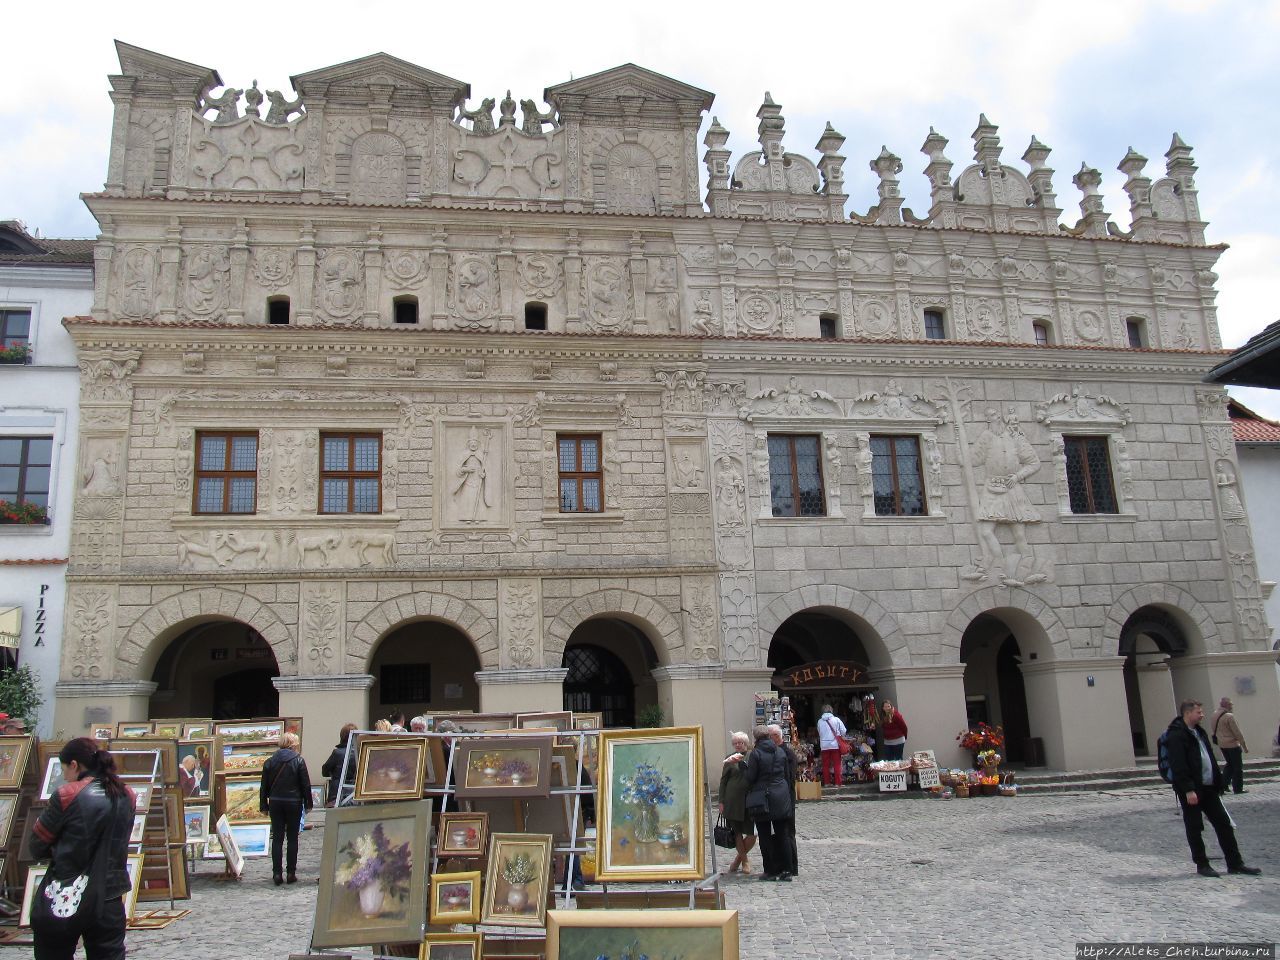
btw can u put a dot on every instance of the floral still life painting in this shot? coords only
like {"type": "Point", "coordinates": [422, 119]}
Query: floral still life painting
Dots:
{"type": "Point", "coordinates": [519, 874]}
{"type": "Point", "coordinates": [642, 935]}
{"type": "Point", "coordinates": [372, 870]}
{"type": "Point", "coordinates": [455, 897]}
{"type": "Point", "coordinates": [390, 769]}
{"type": "Point", "coordinates": [651, 805]}
{"type": "Point", "coordinates": [504, 767]}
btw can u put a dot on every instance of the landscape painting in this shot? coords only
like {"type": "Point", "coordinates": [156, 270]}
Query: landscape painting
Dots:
{"type": "Point", "coordinates": [632, 934]}
{"type": "Point", "coordinates": [650, 809]}
{"type": "Point", "coordinates": [238, 799]}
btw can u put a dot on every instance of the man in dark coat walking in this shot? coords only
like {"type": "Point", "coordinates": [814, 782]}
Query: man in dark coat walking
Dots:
{"type": "Point", "coordinates": [1198, 784]}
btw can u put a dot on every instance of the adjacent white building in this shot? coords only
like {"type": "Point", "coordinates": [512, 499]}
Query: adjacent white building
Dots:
{"type": "Point", "coordinates": [41, 281]}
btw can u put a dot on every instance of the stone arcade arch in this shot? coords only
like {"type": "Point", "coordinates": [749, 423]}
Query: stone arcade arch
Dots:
{"type": "Point", "coordinates": [407, 607]}
{"type": "Point", "coordinates": [876, 628]}
{"type": "Point", "coordinates": [423, 665]}
{"type": "Point", "coordinates": [610, 664]}
{"type": "Point", "coordinates": [221, 669]}
{"type": "Point", "coordinates": [658, 626]}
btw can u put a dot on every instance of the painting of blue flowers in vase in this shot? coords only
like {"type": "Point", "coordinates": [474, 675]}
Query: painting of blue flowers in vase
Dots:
{"type": "Point", "coordinates": [642, 935]}
{"type": "Point", "coordinates": [651, 822]}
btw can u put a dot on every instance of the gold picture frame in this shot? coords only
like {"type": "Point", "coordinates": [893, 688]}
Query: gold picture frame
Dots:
{"type": "Point", "coordinates": [455, 897]}
{"type": "Point", "coordinates": [238, 798]}
{"type": "Point", "coordinates": [452, 946]}
{"type": "Point", "coordinates": [169, 729]}
{"type": "Point", "coordinates": [238, 732]}
{"type": "Point", "coordinates": [8, 812]}
{"type": "Point", "coordinates": [132, 729]}
{"type": "Point", "coordinates": [391, 768]}
{"type": "Point", "coordinates": [650, 817]}
{"type": "Point", "coordinates": [518, 880]}
{"type": "Point", "coordinates": [688, 934]}
{"type": "Point", "coordinates": [516, 766]}
{"type": "Point", "coordinates": [244, 757]}
{"type": "Point", "coordinates": [14, 753]}
{"type": "Point", "coordinates": [463, 835]}
{"type": "Point", "coordinates": [476, 722]}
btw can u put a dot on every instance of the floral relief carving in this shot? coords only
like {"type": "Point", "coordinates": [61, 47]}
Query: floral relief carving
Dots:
{"type": "Point", "coordinates": [273, 267]}
{"type": "Point", "coordinates": [700, 625]}
{"type": "Point", "coordinates": [520, 619]}
{"type": "Point", "coordinates": [405, 268]}
{"type": "Point", "coordinates": [106, 376]}
{"type": "Point", "coordinates": [90, 617]}
{"type": "Point", "coordinates": [790, 401]}
{"type": "Point", "coordinates": [1077, 406]}
{"type": "Point", "coordinates": [321, 626]}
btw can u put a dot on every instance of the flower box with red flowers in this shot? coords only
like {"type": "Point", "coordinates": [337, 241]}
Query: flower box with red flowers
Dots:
{"type": "Point", "coordinates": [30, 514]}
{"type": "Point", "coordinates": [15, 353]}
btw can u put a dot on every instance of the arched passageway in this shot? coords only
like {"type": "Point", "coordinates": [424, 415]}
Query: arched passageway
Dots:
{"type": "Point", "coordinates": [610, 662]}
{"type": "Point", "coordinates": [1149, 640]}
{"type": "Point", "coordinates": [426, 666]}
{"type": "Point", "coordinates": [221, 669]}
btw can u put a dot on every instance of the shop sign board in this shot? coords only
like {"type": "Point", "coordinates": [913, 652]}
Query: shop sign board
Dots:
{"type": "Point", "coordinates": [928, 778]}
{"type": "Point", "coordinates": [822, 674]}
{"type": "Point", "coordinates": [893, 781]}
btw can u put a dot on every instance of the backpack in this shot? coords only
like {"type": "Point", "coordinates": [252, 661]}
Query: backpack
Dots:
{"type": "Point", "coordinates": [1162, 757]}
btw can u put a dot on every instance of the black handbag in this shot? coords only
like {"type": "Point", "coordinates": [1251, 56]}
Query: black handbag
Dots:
{"type": "Point", "coordinates": [67, 907]}
{"type": "Point", "coordinates": [724, 835]}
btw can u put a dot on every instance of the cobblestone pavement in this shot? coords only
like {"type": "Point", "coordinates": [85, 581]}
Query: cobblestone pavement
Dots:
{"type": "Point", "coordinates": [983, 878]}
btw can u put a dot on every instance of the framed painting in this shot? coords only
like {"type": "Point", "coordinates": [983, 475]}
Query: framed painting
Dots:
{"type": "Point", "coordinates": [238, 799]}
{"type": "Point", "coordinates": [391, 768]}
{"type": "Point", "coordinates": [132, 729]}
{"type": "Point", "coordinates": [455, 897]}
{"type": "Point", "coordinates": [213, 849]}
{"type": "Point", "coordinates": [196, 819]}
{"type": "Point", "coordinates": [649, 811]}
{"type": "Point", "coordinates": [476, 722]}
{"type": "Point", "coordinates": [590, 745]}
{"type": "Point", "coordinates": [47, 749]}
{"type": "Point", "coordinates": [137, 763]}
{"type": "Point", "coordinates": [462, 835]}
{"type": "Point", "coordinates": [246, 758]}
{"type": "Point", "coordinates": [588, 720]}
{"type": "Point", "coordinates": [452, 946]}
{"type": "Point", "coordinates": [293, 725]}
{"type": "Point", "coordinates": [252, 839]}
{"type": "Point", "coordinates": [195, 768]}
{"type": "Point", "coordinates": [250, 731]}
{"type": "Point", "coordinates": [197, 730]}
{"type": "Point", "coordinates": [560, 720]}
{"type": "Point", "coordinates": [13, 761]}
{"type": "Point", "coordinates": [99, 732]}
{"type": "Point", "coordinates": [227, 844]}
{"type": "Point", "coordinates": [52, 778]}
{"type": "Point", "coordinates": [168, 750]}
{"type": "Point", "coordinates": [317, 796]}
{"type": "Point", "coordinates": [141, 793]}
{"type": "Point", "coordinates": [373, 869]}
{"type": "Point", "coordinates": [622, 934]}
{"type": "Point", "coordinates": [517, 881]}
{"type": "Point", "coordinates": [173, 815]}
{"type": "Point", "coordinates": [169, 729]}
{"type": "Point", "coordinates": [139, 827]}
{"type": "Point", "coordinates": [8, 807]}
{"type": "Point", "coordinates": [34, 876]}
{"type": "Point", "coordinates": [554, 814]}
{"type": "Point", "coordinates": [503, 767]}
{"type": "Point", "coordinates": [133, 865]}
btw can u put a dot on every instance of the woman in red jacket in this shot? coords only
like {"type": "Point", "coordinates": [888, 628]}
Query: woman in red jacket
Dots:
{"type": "Point", "coordinates": [893, 732]}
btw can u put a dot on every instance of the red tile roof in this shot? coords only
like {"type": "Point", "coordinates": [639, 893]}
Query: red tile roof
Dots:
{"type": "Point", "coordinates": [1248, 427]}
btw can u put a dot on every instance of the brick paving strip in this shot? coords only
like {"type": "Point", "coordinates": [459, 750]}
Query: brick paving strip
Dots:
{"type": "Point", "coordinates": [982, 878]}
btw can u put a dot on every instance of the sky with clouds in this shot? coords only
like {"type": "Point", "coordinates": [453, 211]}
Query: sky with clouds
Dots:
{"type": "Point", "coordinates": [1089, 79]}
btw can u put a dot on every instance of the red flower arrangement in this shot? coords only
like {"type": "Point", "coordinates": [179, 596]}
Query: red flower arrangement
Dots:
{"type": "Point", "coordinates": [981, 738]}
{"type": "Point", "coordinates": [22, 512]}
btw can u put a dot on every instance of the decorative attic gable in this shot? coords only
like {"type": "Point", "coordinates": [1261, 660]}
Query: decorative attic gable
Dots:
{"type": "Point", "coordinates": [158, 74]}
{"type": "Point", "coordinates": [631, 141]}
{"type": "Point", "coordinates": [386, 77]}
{"type": "Point", "coordinates": [771, 182]}
{"type": "Point", "coordinates": [628, 90]}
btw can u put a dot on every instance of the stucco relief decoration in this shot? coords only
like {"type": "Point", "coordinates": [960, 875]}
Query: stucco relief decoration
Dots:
{"type": "Point", "coordinates": [100, 475]}
{"type": "Point", "coordinates": [90, 618]}
{"type": "Point", "coordinates": [893, 403]}
{"type": "Point", "coordinates": [475, 478]}
{"type": "Point", "coordinates": [700, 621]}
{"type": "Point", "coordinates": [273, 267]}
{"type": "Point", "coordinates": [758, 312]}
{"type": "Point", "coordinates": [288, 487]}
{"type": "Point", "coordinates": [474, 290]}
{"type": "Point", "coordinates": [1088, 324]}
{"type": "Point", "coordinates": [206, 274]}
{"type": "Point", "coordinates": [377, 169]}
{"type": "Point", "coordinates": [1076, 406]}
{"type": "Point", "coordinates": [224, 548]}
{"type": "Point", "coordinates": [134, 290]}
{"type": "Point", "coordinates": [725, 397]}
{"type": "Point", "coordinates": [662, 294]}
{"type": "Point", "coordinates": [1212, 405]}
{"type": "Point", "coordinates": [790, 401]}
{"type": "Point", "coordinates": [738, 618]}
{"type": "Point", "coordinates": [986, 319]}
{"type": "Point", "coordinates": [146, 134]}
{"type": "Point", "coordinates": [704, 320]}
{"type": "Point", "coordinates": [405, 269]}
{"type": "Point", "coordinates": [631, 180]}
{"type": "Point", "coordinates": [540, 275]}
{"type": "Point", "coordinates": [729, 494]}
{"type": "Point", "coordinates": [507, 163]}
{"type": "Point", "coordinates": [246, 155]}
{"type": "Point", "coordinates": [339, 282]}
{"type": "Point", "coordinates": [831, 451]}
{"type": "Point", "coordinates": [606, 295]}
{"type": "Point", "coordinates": [682, 390]}
{"type": "Point", "coordinates": [106, 376]}
{"type": "Point", "coordinates": [321, 624]}
{"type": "Point", "coordinates": [520, 619]}
{"type": "Point", "coordinates": [1005, 459]}
{"type": "Point", "coordinates": [875, 317]}
{"type": "Point", "coordinates": [688, 466]}
{"type": "Point", "coordinates": [760, 474]}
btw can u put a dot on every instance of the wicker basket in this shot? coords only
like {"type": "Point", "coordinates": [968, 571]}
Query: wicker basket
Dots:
{"type": "Point", "coordinates": [1007, 787]}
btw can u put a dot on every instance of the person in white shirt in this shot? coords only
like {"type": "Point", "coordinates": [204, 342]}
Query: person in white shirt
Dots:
{"type": "Point", "coordinates": [830, 730]}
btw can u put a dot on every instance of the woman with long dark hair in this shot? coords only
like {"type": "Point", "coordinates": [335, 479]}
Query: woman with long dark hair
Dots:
{"type": "Point", "coordinates": [84, 831]}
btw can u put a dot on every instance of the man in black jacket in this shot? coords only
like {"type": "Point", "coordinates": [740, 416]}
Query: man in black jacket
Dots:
{"type": "Point", "coordinates": [1198, 784]}
{"type": "Point", "coordinates": [789, 825]}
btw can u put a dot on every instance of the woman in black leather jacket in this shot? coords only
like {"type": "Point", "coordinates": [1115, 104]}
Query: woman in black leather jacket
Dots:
{"type": "Point", "coordinates": [769, 803]}
{"type": "Point", "coordinates": [333, 766]}
{"type": "Point", "coordinates": [93, 806]}
{"type": "Point", "coordinates": [284, 794]}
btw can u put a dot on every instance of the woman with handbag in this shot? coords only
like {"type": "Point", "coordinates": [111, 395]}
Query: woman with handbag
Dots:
{"type": "Point", "coordinates": [733, 802]}
{"type": "Point", "coordinates": [85, 832]}
{"type": "Point", "coordinates": [769, 803]}
{"type": "Point", "coordinates": [831, 733]}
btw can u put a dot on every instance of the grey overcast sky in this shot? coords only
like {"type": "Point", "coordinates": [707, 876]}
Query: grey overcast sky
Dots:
{"type": "Point", "coordinates": [1090, 79]}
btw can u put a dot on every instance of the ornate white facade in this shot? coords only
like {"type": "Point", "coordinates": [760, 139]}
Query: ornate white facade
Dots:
{"type": "Point", "coordinates": [682, 331]}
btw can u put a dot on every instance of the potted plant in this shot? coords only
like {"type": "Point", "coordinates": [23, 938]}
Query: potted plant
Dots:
{"type": "Point", "coordinates": [23, 512]}
{"type": "Point", "coordinates": [519, 873]}
{"type": "Point", "coordinates": [15, 353]}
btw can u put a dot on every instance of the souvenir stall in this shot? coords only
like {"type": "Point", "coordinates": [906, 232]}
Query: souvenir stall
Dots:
{"type": "Point", "coordinates": [478, 871]}
{"type": "Point", "coordinates": [844, 685]}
